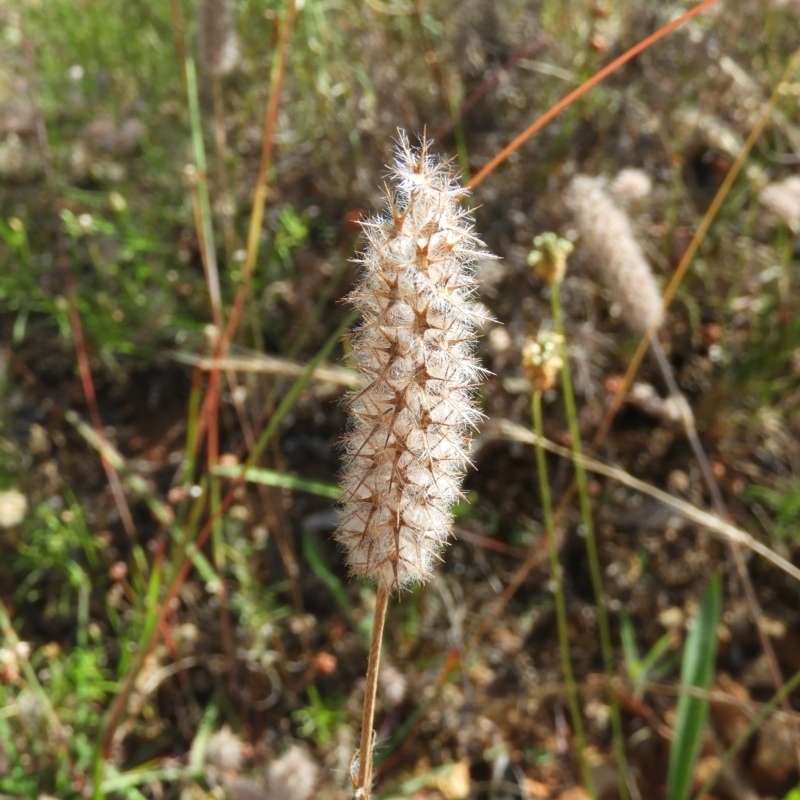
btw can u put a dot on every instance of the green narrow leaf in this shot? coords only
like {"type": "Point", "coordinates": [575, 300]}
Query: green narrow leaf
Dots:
{"type": "Point", "coordinates": [697, 672]}
{"type": "Point", "coordinates": [651, 661]}
{"type": "Point", "coordinates": [631, 652]}
{"type": "Point", "coordinates": [197, 752]}
{"type": "Point", "coordinates": [268, 477]}
{"type": "Point", "coordinates": [320, 568]}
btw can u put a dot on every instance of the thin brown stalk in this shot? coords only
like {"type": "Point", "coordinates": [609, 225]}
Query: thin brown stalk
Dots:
{"type": "Point", "coordinates": [364, 783]}
{"type": "Point", "coordinates": [260, 191]}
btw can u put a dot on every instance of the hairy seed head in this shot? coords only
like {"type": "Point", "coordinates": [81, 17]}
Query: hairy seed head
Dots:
{"type": "Point", "coordinates": [292, 776]}
{"type": "Point", "coordinates": [613, 252]}
{"type": "Point", "coordinates": [412, 418]}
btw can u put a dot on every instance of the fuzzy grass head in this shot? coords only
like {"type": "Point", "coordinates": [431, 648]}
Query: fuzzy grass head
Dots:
{"type": "Point", "coordinates": [606, 236]}
{"type": "Point", "coordinates": [412, 419]}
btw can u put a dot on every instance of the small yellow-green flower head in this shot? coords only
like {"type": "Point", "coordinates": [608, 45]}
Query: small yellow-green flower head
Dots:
{"type": "Point", "coordinates": [541, 360]}
{"type": "Point", "coordinates": [549, 256]}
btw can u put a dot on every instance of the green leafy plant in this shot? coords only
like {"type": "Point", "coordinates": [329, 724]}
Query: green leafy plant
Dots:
{"type": "Point", "coordinates": [784, 501]}
{"type": "Point", "coordinates": [656, 663]}
{"type": "Point", "coordinates": [697, 672]}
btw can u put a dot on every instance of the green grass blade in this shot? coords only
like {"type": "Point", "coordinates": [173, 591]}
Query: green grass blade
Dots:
{"type": "Point", "coordinates": [632, 661]}
{"type": "Point", "coordinates": [320, 568]}
{"type": "Point", "coordinates": [281, 480]}
{"type": "Point", "coordinates": [697, 672]}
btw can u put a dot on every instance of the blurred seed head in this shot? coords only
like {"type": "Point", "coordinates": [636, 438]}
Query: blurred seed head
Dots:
{"type": "Point", "coordinates": [224, 750]}
{"type": "Point", "coordinates": [219, 44]}
{"type": "Point", "coordinates": [631, 184]}
{"type": "Point", "coordinates": [606, 236]}
{"type": "Point", "coordinates": [392, 684]}
{"type": "Point", "coordinates": [672, 411]}
{"type": "Point", "coordinates": [292, 776]}
{"type": "Point", "coordinates": [782, 198]}
{"type": "Point", "coordinates": [13, 507]}
{"type": "Point", "coordinates": [30, 710]}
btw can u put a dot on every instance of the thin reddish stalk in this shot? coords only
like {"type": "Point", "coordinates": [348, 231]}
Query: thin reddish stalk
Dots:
{"type": "Point", "coordinates": [582, 89]}
{"type": "Point", "coordinates": [260, 193]}
{"type": "Point", "coordinates": [65, 264]}
{"type": "Point", "coordinates": [259, 197]}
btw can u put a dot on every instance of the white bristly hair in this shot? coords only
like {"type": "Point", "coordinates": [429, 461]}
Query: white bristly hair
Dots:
{"type": "Point", "coordinates": [412, 419]}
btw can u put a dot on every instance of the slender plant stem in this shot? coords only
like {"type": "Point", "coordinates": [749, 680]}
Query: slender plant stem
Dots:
{"type": "Point", "coordinates": [205, 227]}
{"type": "Point", "coordinates": [742, 739]}
{"type": "Point", "coordinates": [734, 549]}
{"type": "Point", "coordinates": [690, 430]}
{"type": "Point", "coordinates": [558, 594]}
{"type": "Point", "coordinates": [591, 550]}
{"type": "Point", "coordinates": [365, 758]}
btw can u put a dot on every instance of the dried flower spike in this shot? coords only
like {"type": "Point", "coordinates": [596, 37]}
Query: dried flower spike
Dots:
{"type": "Point", "coordinates": [614, 253]}
{"type": "Point", "coordinates": [411, 420]}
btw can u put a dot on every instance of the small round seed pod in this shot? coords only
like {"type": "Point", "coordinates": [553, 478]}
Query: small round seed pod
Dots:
{"type": "Point", "coordinates": [541, 361]}
{"type": "Point", "coordinates": [549, 257]}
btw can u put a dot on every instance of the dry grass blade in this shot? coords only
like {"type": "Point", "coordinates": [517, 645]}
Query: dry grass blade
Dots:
{"type": "Point", "coordinates": [264, 364]}
{"type": "Point", "coordinates": [724, 530]}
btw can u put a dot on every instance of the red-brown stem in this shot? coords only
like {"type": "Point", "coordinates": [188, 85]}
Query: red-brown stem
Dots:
{"type": "Point", "coordinates": [582, 89]}
{"type": "Point", "coordinates": [72, 299]}
{"type": "Point", "coordinates": [260, 193]}
{"type": "Point", "coordinates": [370, 692]}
